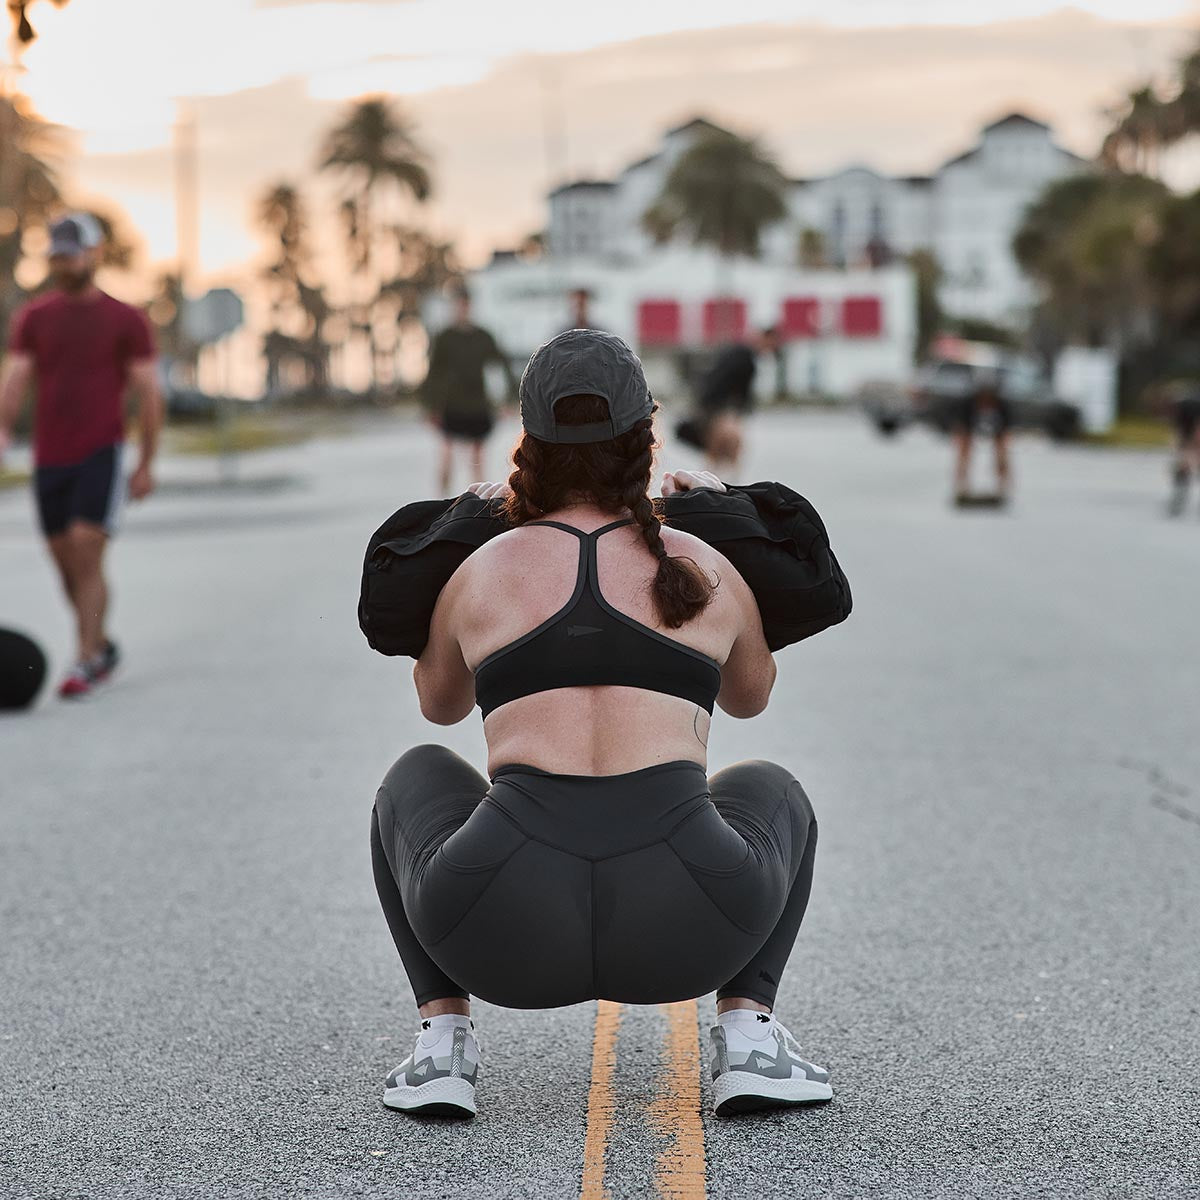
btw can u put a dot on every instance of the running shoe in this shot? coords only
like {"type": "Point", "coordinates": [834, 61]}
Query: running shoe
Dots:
{"type": "Point", "coordinates": [78, 682]}
{"type": "Point", "coordinates": [756, 1064]}
{"type": "Point", "coordinates": [438, 1077]}
{"type": "Point", "coordinates": [105, 663]}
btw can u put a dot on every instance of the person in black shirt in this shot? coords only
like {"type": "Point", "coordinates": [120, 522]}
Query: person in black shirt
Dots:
{"type": "Point", "coordinates": [1185, 416]}
{"type": "Point", "coordinates": [454, 394]}
{"type": "Point", "coordinates": [581, 315]}
{"type": "Point", "coordinates": [984, 410]}
{"type": "Point", "coordinates": [725, 395]}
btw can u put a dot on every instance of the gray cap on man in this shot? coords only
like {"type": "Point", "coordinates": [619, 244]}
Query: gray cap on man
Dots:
{"type": "Point", "coordinates": [74, 234]}
{"type": "Point", "coordinates": [583, 362]}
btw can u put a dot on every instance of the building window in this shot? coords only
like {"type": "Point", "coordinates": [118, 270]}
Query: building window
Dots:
{"type": "Point", "coordinates": [801, 317]}
{"type": "Point", "coordinates": [659, 322]}
{"type": "Point", "coordinates": [724, 319]}
{"type": "Point", "coordinates": [862, 316]}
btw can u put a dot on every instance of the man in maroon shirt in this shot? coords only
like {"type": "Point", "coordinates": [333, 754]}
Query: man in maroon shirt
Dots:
{"type": "Point", "coordinates": [83, 348]}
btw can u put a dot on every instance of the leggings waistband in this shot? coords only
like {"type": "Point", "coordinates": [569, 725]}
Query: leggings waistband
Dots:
{"type": "Point", "coordinates": [600, 816]}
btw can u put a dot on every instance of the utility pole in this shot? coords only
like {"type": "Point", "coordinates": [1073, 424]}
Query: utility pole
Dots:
{"type": "Point", "coordinates": [554, 135]}
{"type": "Point", "coordinates": [187, 213]}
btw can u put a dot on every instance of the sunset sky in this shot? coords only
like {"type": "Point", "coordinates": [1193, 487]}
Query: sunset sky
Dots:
{"type": "Point", "coordinates": [898, 84]}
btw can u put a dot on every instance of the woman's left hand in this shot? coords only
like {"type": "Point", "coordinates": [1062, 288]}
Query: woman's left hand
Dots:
{"type": "Point", "coordinates": [491, 491]}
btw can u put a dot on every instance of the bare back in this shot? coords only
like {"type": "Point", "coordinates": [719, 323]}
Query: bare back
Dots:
{"type": "Point", "coordinates": [517, 581]}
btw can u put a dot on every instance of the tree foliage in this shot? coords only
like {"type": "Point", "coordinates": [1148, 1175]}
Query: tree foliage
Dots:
{"type": "Point", "coordinates": [375, 150]}
{"type": "Point", "coordinates": [723, 192]}
{"type": "Point", "coordinates": [1086, 240]}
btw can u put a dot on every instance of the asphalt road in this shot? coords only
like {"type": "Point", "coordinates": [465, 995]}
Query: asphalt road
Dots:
{"type": "Point", "coordinates": [1001, 964]}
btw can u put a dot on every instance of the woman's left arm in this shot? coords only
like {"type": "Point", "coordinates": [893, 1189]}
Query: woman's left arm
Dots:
{"type": "Point", "coordinates": [445, 685]}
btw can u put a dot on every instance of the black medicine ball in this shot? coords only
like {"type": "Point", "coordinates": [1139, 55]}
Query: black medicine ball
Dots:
{"type": "Point", "coordinates": [22, 670]}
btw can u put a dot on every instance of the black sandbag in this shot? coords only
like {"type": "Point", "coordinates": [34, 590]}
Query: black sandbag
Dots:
{"type": "Point", "coordinates": [779, 545]}
{"type": "Point", "coordinates": [22, 670]}
{"type": "Point", "coordinates": [771, 534]}
{"type": "Point", "coordinates": [410, 558]}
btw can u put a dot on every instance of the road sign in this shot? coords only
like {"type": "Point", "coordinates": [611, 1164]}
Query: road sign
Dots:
{"type": "Point", "coordinates": [218, 312]}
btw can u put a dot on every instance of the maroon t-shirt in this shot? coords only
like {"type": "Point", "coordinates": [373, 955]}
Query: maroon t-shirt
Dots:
{"type": "Point", "coordinates": [81, 348]}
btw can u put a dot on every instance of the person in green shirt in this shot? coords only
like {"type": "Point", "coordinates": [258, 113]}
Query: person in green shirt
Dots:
{"type": "Point", "coordinates": [454, 394]}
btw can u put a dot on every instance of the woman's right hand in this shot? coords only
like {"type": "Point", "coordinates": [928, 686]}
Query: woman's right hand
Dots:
{"type": "Point", "coordinates": [686, 481]}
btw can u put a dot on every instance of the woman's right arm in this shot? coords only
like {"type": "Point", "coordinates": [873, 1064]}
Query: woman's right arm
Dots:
{"type": "Point", "coordinates": [445, 684]}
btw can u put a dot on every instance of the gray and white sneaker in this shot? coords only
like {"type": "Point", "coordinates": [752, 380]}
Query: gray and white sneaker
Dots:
{"type": "Point", "coordinates": [438, 1077]}
{"type": "Point", "coordinates": [756, 1064]}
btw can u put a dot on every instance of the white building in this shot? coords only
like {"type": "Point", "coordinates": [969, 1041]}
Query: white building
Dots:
{"type": "Point", "coordinates": [847, 322]}
{"type": "Point", "coordinates": [842, 328]}
{"type": "Point", "coordinates": [966, 213]}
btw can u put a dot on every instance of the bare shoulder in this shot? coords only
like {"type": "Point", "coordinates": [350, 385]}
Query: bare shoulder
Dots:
{"type": "Point", "coordinates": [504, 555]}
{"type": "Point", "coordinates": [686, 545]}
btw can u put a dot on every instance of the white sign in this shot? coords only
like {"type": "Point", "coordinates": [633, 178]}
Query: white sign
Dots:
{"type": "Point", "coordinates": [214, 315]}
{"type": "Point", "coordinates": [1087, 378]}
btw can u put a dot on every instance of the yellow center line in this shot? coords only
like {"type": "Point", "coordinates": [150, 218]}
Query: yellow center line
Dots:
{"type": "Point", "coordinates": [601, 1102]}
{"type": "Point", "coordinates": [673, 1114]}
{"type": "Point", "coordinates": [679, 1173]}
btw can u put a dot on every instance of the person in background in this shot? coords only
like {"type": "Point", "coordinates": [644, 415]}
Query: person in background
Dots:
{"type": "Point", "coordinates": [984, 411]}
{"type": "Point", "coordinates": [725, 395]}
{"type": "Point", "coordinates": [82, 348]}
{"type": "Point", "coordinates": [581, 314]}
{"type": "Point", "coordinates": [454, 393]}
{"type": "Point", "coordinates": [1185, 416]}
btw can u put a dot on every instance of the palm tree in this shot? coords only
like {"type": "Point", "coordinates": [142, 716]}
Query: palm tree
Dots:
{"type": "Point", "coordinates": [722, 192]}
{"type": "Point", "coordinates": [166, 313]}
{"type": "Point", "coordinates": [23, 31]}
{"type": "Point", "coordinates": [375, 149]}
{"type": "Point", "coordinates": [1142, 128]}
{"type": "Point", "coordinates": [1087, 240]}
{"type": "Point", "coordinates": [299, 309]}
{"type": "Point", "coordinates": [29, 189]}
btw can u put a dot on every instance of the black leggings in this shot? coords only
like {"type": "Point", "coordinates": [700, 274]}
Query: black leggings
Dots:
{"type": "Point", "coordinates": [543, 890]}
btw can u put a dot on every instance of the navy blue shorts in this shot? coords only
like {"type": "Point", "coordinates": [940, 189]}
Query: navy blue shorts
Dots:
{"type": "Point", "coordinates": [91, 491]}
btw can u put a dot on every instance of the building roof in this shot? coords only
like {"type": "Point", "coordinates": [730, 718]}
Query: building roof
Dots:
{"type": "Point", "coordinates": [966, 156]}
{"type": "Point", "coordinates": [1014, 119]}
{"type": "Point", "coordinates": [583, 185]}
{"type": "Point", "coordinates": [696, 123]}
{"type": "Point", "coordinates": [642, 162]}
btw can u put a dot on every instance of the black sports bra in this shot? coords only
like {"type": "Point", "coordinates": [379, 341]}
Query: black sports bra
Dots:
{"type": "Point", "coordinates": [589, 642]}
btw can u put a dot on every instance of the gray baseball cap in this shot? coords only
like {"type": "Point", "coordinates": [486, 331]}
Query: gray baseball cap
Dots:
{"type": "Point", "coordinates": [75, 234]}
{"type": "Point", "coordinates": [583, 362]}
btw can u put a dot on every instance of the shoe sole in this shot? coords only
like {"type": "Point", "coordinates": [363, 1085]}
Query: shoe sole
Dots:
{"type": "Point", "coordinates": [448, 1097]}
{"type": "Point", "coordinates": [752, 1093]}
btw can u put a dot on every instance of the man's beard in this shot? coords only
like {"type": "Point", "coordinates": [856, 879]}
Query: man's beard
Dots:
{"type": "Point", "coordinates": [72, 280]}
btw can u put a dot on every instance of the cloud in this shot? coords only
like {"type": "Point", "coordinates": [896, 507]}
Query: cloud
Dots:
{"type": "Point", "coordinates": [901, 99]}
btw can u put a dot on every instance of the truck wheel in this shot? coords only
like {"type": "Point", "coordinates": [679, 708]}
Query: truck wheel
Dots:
{"type": "Point", "coordinates": [1063, 423]}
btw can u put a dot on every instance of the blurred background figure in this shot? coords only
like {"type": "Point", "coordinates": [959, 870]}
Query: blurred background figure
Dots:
{"type": "Point", "coordinates": [986, 412]}
{"type": "Point", "coordinates": [82, 348]}
{"type": "Point", "coordinates": [725, 395]}
{"type": "Point", "coordinates": [455, 391]}
{"type": "Point", "coordinates": [1185, 413]}
{"type": "Point", "coordinates": [581, 310]}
